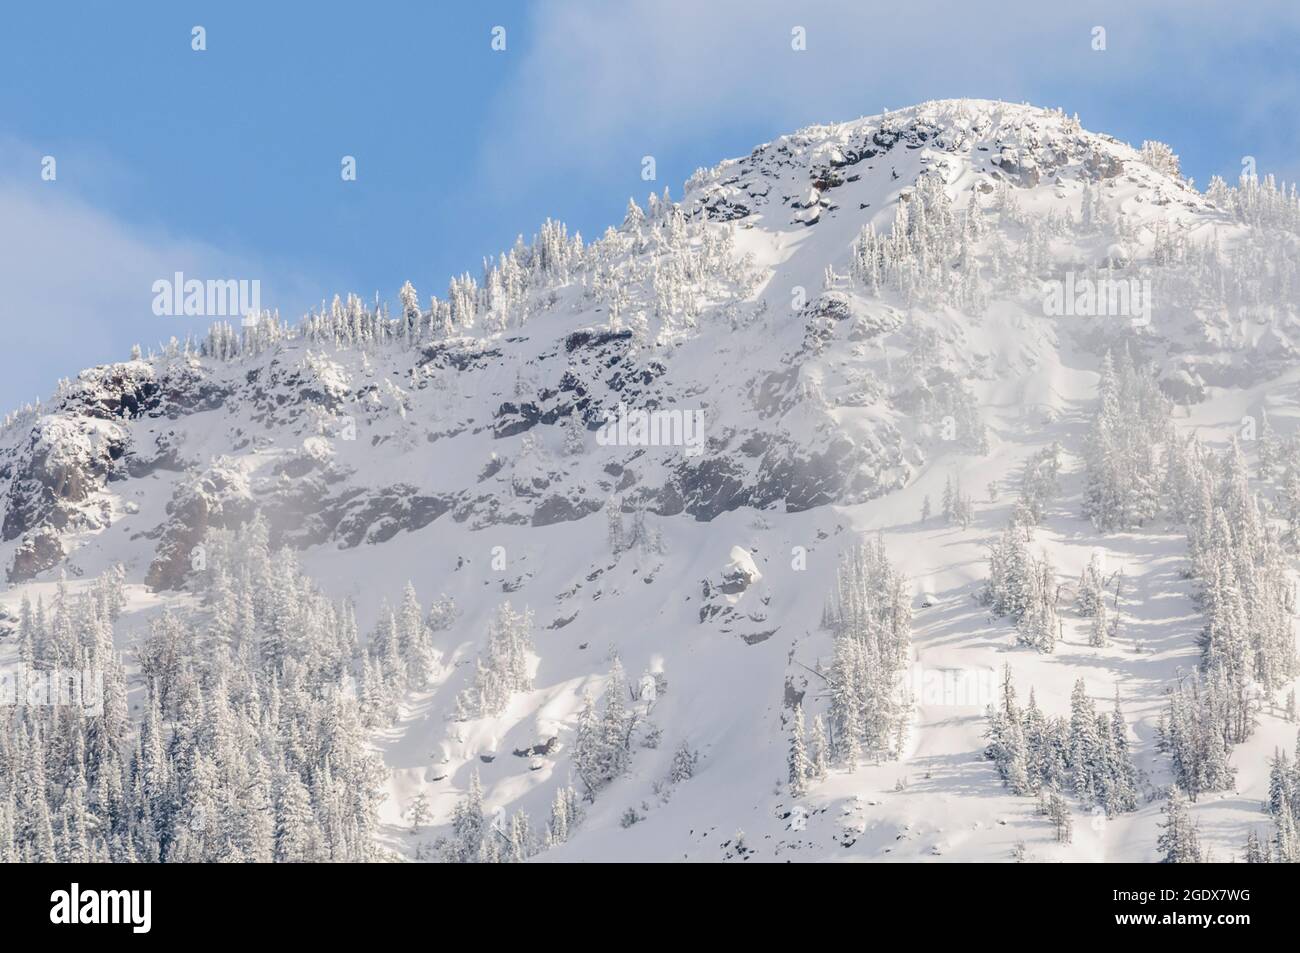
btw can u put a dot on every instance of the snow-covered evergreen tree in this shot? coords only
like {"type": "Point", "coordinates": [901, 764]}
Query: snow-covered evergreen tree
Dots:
{"type": "Point", "coordinates": [1178, 842]}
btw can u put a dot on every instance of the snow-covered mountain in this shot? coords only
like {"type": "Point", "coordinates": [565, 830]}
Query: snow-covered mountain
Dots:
{"type": "Point", "coordinates": [693, 457]}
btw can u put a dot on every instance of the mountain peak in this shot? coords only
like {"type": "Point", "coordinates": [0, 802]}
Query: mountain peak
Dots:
{"type": "Point", "coordinates": [967, 141]}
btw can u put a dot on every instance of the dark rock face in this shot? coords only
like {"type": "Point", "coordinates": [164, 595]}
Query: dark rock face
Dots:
{"type": "Point", "coordinates": [540, 749]}
{"type": "Point", "coordinates": [135, 389]}
{"type": "Point", "coordinates": [514, 419]}
{"type": "Point", "coordinates": [1183, 388]}
{"type": "Point", "coordinates": [735, 581]}
{"type": "Point", "coordinates": [594, 338]}
{"type": "Point", "coordinates": [299, 513]}
{"type": "Point", "coordinates": [115, 390]}
{"type": "Point", "coordinates": [735, 603]}
{"type": "Point", "coordinates": [219, 498]}
{"type": "Point", "coordinates": [559, 509]}
{"type": "Point", "coordinates": [463, 354]}
{"type": "Point", "coordinates": [1024, 168]}
{"type": "Point", "coordinates": [714, 486]}
{"type": "Point", "coordinates": [164, 455]}
{"type": "Point", "coordinates": [374, 517]}
{"type": "Point", "coordinates": [39, 551]}
{"type": "Point", "coordinates": [56, 471]}
{"type": "Point", "coordinates": [844, 471]}
{"type": "Point", "coordinates": [1103, 165]}
{"type": "Point", "coordinates": [70, 455]}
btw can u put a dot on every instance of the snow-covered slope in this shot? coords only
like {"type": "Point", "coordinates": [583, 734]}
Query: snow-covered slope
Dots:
{"type": "Point", "coordinates": [827, 331]}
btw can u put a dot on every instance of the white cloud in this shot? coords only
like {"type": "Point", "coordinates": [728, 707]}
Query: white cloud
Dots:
{"type": "Point", "coordinates": [640, 76]}
{"type": "Point", "coordinates": [77, 284]}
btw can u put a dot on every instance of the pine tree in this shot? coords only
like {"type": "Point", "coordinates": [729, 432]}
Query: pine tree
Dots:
{"type": "Point", "coordinates": [1099, 627]}
{"type": "Point", "coordinates": [574, 441]}
{"type": "Point", "coordinates": [411, 314]}
{"type": "Point", "coordinates": [1090, 588]}
{"type": "Point", "coordinates": [683, 765]}
{"type": "Point", "coordinates": [797, 762]}
{"type": "Point", "coordinates": [1268, 448]}
{"type": "Point", "coordinates": [413, 639]}
{"type": "Point", "coordinates": [1285, 843]}
{"type": "Point", "coordinates": [1178, 842]}
{"type": "Point", "coordinates": [520, 838]}
{"type": "Point", "coordinates": [418, 811]}
{"type": "Point", "coordinates": [615, 726]}
{"type": "Point", "coordinates": [587, 744]}
{"type": "Point", "coordinates": [870, 616]}
{"type": "Point", "coordinates": [614, 516]}
{"type": "Point", "coordinates": [469, 829]}
{"type": "Point", "coordinates": [1122, 479]}
{"type": "Point", "coordinates": [1059, 815]}
{"type": "Point", "coordinates": [1124, 782]}
{"type": "Point", "coordinates": [1084, 745]}
{"type": "Point", "coordinates": [819, 749]}
{"type": "Point", "coordinates": [1254, 852]}
{"type": "Point", "coordinates": [558, 826]}
{"type": "Point", "coordinates": [296, 833]}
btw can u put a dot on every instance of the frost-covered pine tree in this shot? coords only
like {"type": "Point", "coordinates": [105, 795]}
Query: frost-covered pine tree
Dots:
{"type": "Point", "coordinates": [1099, 627]}
{"type": "Point", "coordinates": [820, 749]}
{"type": "Point", "coordinates": [614, 516]}
{"type": "Point", "coordinates": [797, 768]}
{"type": "Point", "coordinates": [557, 829]}
{"type": "Point", "coordinates": [1039, 484]}
{"type": "Point", "coordinates": [503, 669]}
{"type": "Point", "coordinates": [418, 811]}
{"type": "Point", "coordinates": [574, 439]}
{"type": "Point", "coordinates": [1269, 447]}
{"type": "Point", "coordinates": [1039, 625]}
{"type": "Point", "coordinates": [1010, 587]}
{"type": "Point", "coordinates": [1178, 842]}
{"type": "Point", "coordinates": [469, 828]}
{"type": "Point", "coordinates": [1254, 852]}
{"type": "Point", "coordinates": [1091, 587]}
{"type": "Point", "coordinates": [411, 314]}
{"type": "Point", "coordinates": [1085, 745]}
{"type": "Point", "coordinates": [870, 617]}
{"type": "Point", "coordinates": [1195, 733]}
{"type": "Point", "coordinates": [1122, 490]}
{"type": "Point", "coordinates": [616, 722]}
{"type": "Point", "coordinates": [685, 760]}
{"type": "Point", "coordinates": [1059, 815]}
{"type": "Point", "coordinates": [1006, 740]}
{"type": "Point", "coordinates": [413, 638]}
{"type": "Point", "coordinates": [1123, 787]}
{"type": "Point", "coordinates": [587, 747]}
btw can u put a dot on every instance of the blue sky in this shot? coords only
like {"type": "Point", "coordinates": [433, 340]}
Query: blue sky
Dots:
{"type": "Point", "coordinates": [225, 163]}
